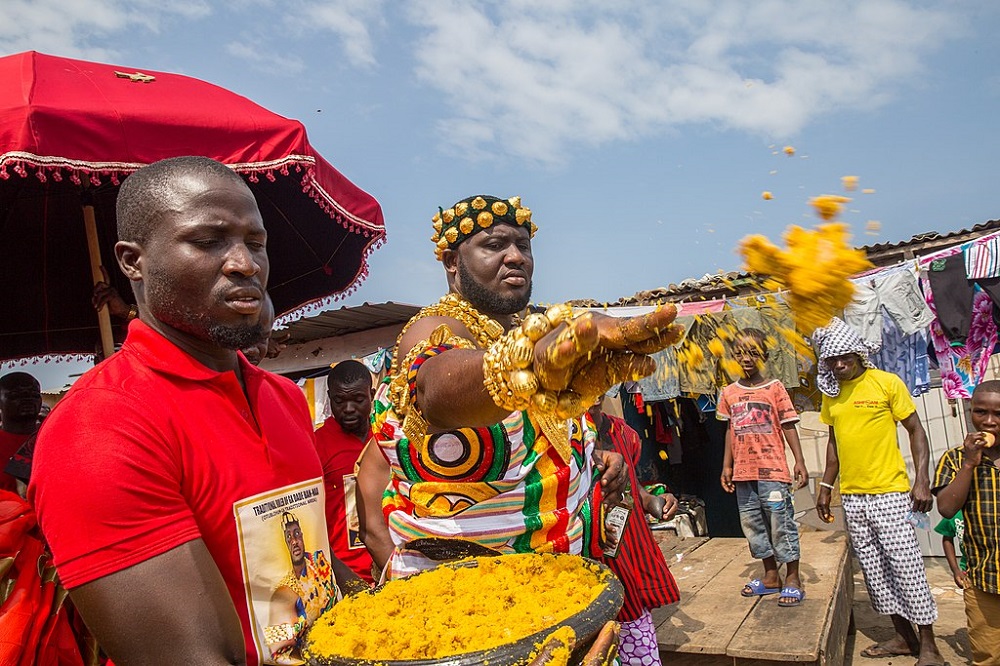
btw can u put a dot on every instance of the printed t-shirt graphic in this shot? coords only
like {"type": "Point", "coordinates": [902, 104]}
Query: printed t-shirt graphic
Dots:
{"type": "Point", "coordinates": [756, 415]}
{"type": "Point", "coordinates": [286, 563]}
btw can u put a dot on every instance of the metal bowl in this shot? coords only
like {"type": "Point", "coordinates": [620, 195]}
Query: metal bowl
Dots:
{"type": "Point", "coordinates": [586, 624]}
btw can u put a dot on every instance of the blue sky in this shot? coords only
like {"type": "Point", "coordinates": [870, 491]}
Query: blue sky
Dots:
{"type": "Point", "coordinates": [641, 134]}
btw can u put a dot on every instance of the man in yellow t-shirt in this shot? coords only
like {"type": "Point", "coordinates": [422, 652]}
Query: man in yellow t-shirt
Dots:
{"type": "Point", "coordinates": [862, 405]}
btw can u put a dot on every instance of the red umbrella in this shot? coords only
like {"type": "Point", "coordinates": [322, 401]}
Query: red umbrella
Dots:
{"type": "Point", "coordinates": [71, 130]}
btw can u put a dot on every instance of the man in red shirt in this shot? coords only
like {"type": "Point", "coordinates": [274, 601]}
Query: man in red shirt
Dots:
{"type": "Point", "coordinates": [20, 404]}
{"type": "Point", "coordinates": [639, 563]}
{"type": "Point", "coordinates": [161, 479]}
{"type": "Point", "coordinates": [340, 441]}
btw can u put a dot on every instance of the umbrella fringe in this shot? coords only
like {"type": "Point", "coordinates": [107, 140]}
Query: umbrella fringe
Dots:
{"type": "Point", "coordinates": [21, 163]}
{"type": "Point", "coordinates": [49, 358]}
{"type": "Point", "coordinates": [319, 305]}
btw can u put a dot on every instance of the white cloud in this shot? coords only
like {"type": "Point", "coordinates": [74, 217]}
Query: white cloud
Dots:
{"type": "Point", "coordinates": [265, 61]}
{"type": "Point", "coordinates": [349, 20]}
{"type": "Point", "coordinates": [533, 78]}
{"type": "Point", "coordinates": [78, 28]}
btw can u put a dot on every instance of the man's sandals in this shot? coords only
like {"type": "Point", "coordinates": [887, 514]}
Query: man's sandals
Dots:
{"type": "Point", "coordinates": [880, 651]}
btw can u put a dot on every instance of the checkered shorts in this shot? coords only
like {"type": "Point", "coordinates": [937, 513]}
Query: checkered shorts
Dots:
{"type": "Point", "coordinates": [886, 545]}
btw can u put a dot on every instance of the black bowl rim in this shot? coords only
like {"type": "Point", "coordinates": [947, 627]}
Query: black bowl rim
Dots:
{"type": "Point", "coordinates": [589, 623]}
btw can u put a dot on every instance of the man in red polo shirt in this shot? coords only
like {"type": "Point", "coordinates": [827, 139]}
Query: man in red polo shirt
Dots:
{"type": "Point", "coordinates": [20, 404]}
{"type": "Point", "coordinates": [161, 479]}
{"type": "Point", "coordinates": [340, 441]}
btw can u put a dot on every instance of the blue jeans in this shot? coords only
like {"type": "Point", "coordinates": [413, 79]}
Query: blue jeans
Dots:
{"type": "Point", "coordinates": [768, 519]}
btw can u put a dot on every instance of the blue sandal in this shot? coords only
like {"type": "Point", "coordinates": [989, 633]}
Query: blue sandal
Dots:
{"type": "Point", "coordinates": [791, 592]}
{"type": "Point", "coordinates": [757, 589]}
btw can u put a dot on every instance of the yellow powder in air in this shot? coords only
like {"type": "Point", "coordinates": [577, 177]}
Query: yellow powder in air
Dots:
{"type": "Point", "coordinates": [454, 610]}
{"type": "Point", "coordinates": [850, 183]}
{"type": "Point", "coordinates": [828, 206]}
{"type": "Point", "coordinates": [814, 268]}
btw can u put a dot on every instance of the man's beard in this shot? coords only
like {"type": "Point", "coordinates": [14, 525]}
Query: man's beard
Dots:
{"type": "Point", "coordinates": [198, 323]}
{"type": "Point", "coordinates": [485, 300]}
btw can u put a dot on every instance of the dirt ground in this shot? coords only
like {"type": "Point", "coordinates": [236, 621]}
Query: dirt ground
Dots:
{"type": "Point", "coordinates": [952, 637]}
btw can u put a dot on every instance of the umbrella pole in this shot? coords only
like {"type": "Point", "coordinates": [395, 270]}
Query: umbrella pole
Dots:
{"type": "Point", "coordinates": [103, 316]}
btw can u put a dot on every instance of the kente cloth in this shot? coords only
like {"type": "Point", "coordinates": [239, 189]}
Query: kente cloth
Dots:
{"type": "Point", "coordinates": [837, 339]}
{"type": "Point", "coordinates": [504, 486]}
{"type": "Point", "coordinates": [963, 366]}
{"type": "Point", "coordinates": [314, 586]}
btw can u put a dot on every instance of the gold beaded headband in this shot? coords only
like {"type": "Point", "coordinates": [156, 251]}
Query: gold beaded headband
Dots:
{"type": "Point", "coordinates": [472, 215]}
{"type": "Point", "coordinates": [288, 517]}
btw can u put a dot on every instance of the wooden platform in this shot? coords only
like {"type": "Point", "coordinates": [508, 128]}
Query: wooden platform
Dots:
{"type": "Point", "coordinates": [713, 624]}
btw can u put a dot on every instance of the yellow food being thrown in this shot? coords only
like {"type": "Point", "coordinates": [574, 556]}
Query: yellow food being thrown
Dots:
{"type": "Point", "coordinates": [850, 183]}
{"type": "Point", "coordinates": [814, 269]}
{"type": "Point", "coordinates": [453, 610]}
{"type": "Point", "coordinates": [828, 206]}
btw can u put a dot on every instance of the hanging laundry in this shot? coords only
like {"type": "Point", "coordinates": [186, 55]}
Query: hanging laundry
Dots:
{"type": "Point", "coordinates": [904, 355]}
{"type": "Point", "coordinates": [963, 365]}
{"type": "Point", "coordinates": [772, 316]}
{"type": "Point", "coordinates": [698, 364]}
{"type": "Point", "coordinates": [894, 290]}
{"type": "Point", "coordinates": [982, 258]}
{"type": "Point", "coordinates": [665, 382]}
{"type": "Point", "coordinates": [953, 295]}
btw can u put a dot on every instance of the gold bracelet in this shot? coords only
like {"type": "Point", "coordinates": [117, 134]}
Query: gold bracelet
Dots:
{"type": "Point", "coordinates": [279, 633]}
{"type": "Point", "coordinates": [508, 364]}
{"type": "Point", "coordinates": [506, 371]}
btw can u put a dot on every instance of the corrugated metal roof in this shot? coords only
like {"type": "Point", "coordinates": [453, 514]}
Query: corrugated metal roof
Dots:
{"type": "Point", "coordinates": [349, 320]}
{"type": "Point", "coordinates": [736, 283]}
{"type": "Point", "coordinates": [929, 236]}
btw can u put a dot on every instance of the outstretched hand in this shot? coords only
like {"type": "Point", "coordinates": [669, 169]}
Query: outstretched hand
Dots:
{"type": "Point", "coordinates": [584, 357]}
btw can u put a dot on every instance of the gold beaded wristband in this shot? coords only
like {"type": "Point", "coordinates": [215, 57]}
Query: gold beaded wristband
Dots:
{"type": "Point", "coordinates": [507, 363]}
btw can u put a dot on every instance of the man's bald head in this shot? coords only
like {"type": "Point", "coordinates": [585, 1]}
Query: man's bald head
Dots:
{"type": "Point", "coordinates": [151, 190]}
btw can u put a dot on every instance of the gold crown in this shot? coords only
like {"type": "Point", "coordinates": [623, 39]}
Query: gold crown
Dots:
{"type": "Point", "coordinates": [472, 215]}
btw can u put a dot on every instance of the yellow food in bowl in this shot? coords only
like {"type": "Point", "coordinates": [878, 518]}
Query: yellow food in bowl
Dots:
{"type": "Point", "coordinates": [470, 606]}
